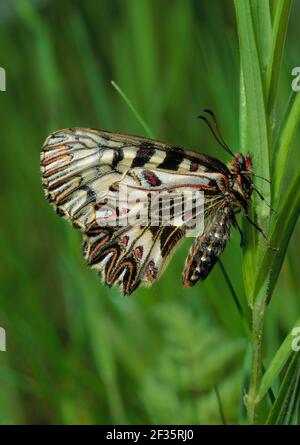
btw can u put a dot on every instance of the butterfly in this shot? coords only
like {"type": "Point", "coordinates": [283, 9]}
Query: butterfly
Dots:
{"type": "Point", "coordinates": [81, 169]}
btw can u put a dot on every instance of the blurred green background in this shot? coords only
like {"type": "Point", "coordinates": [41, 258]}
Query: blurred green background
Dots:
{"type": "Point", "coordinates": [78, 352]}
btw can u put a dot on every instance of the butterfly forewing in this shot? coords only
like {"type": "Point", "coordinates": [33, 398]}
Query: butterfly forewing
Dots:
{"type": "Point", "coordinates": [81, 168]}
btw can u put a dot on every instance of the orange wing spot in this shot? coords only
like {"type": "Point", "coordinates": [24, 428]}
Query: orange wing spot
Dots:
{"type": "Point", "coordinates": [57, 157]}
{"type": "Point", "coordinates": [95, 248]}
{"type": "Point", "coordinates": [66, 159]}
{"type": "Point", "coordinates": [60, 198]}
{"type": "Point", "coordinates": [60, 147]}
{"type": "Point", "coordinates": [109, 267]}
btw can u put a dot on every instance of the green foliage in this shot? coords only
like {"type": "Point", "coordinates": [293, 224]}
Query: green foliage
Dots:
{"type": "Point", "coordinates": [194, 358]}
{"type": "Point", "coordinates": [286, 406]}
{"type": "Point", "coordinates": [77, 352]}
{"type": "Point", "coordinates": [261, 59]}
{"type": "Point", "coordinates": [279, 360]}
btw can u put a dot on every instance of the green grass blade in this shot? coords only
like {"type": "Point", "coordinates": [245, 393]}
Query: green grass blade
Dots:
{"type": "Point", "coordinates": [260, 10]}
{"type": "Point", "coordinates": [220, 405]}
{"type": "Point", "coordinates": [256, 130]}
{"type": "Point", "coordinates": [249, 232]}
{"type": "Point", "coordinates": [285, 140]}
{"type": "Point", "coordinates": [281, 19]}
{"type": "Point", "coordinates": [285, 405]}
{"type": "Point", "coordinates": [277, 363]}
{"type": "Point", "coordinates": [133, 109]}
{"type": "Point", "coordinates": [282, 230]}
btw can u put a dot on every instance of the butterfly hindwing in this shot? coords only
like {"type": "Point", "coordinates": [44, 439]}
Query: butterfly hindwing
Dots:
{"type": "Point", "coordinates": [131, 255]}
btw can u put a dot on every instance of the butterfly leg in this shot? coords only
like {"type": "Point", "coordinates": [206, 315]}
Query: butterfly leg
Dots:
{"type": "Point", "coordinates": [236, 225]}
{"type": "Point", "coordinates": [275, 249]}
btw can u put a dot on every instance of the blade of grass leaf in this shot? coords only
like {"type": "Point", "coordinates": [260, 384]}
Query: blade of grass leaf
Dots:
{"type": "Point", "coordinates": [281, 124]}
{"type": "Point", "coordinates": [257, 138]}
{"type": "Point", "coordinates": [276, 365]}
{"type": "Point", "coordinates": [280, 24]}
{"type": "Point", "coordinates": [285, 140]}
{"type": "Point", "coordinates": [281, 19]}
{"type": "Point", "coordinates": [134, 111]}
{"type": "Point", "coordinates": [285, 405]}
{"type": "Point", "coordinates": [281, 232]}
{"type": "Point", "coordinates": [256, 131]}
{"type": "Point", "coordinates": [257, 141]}
{"type": "Point", "coordinates": [248, 230]}
{"type": "Point", "coordinates": [220, 405]}
{"type": "Point", "coordinates": [263, 30]}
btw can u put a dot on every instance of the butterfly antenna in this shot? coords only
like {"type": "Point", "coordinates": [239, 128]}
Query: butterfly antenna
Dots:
{"type": "Point", "coordinates": [216, 136]}
{"type": "Point", "coordinates": [249, 172]}
{"type": "Point", "coordinates": [261, 177]}
{"type": "Point", "coordinates": [218, 131]}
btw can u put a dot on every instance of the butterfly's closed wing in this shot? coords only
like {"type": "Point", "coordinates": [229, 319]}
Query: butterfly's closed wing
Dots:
{"type": "Point", "coordinates": [80, 168]}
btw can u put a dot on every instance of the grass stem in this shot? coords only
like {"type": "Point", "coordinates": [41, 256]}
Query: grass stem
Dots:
{"type": "Point", "coordinates": [258, 314]}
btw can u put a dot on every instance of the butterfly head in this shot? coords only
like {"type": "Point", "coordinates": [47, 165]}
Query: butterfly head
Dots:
{"type": "Point", "coordinates": [241, 170]}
